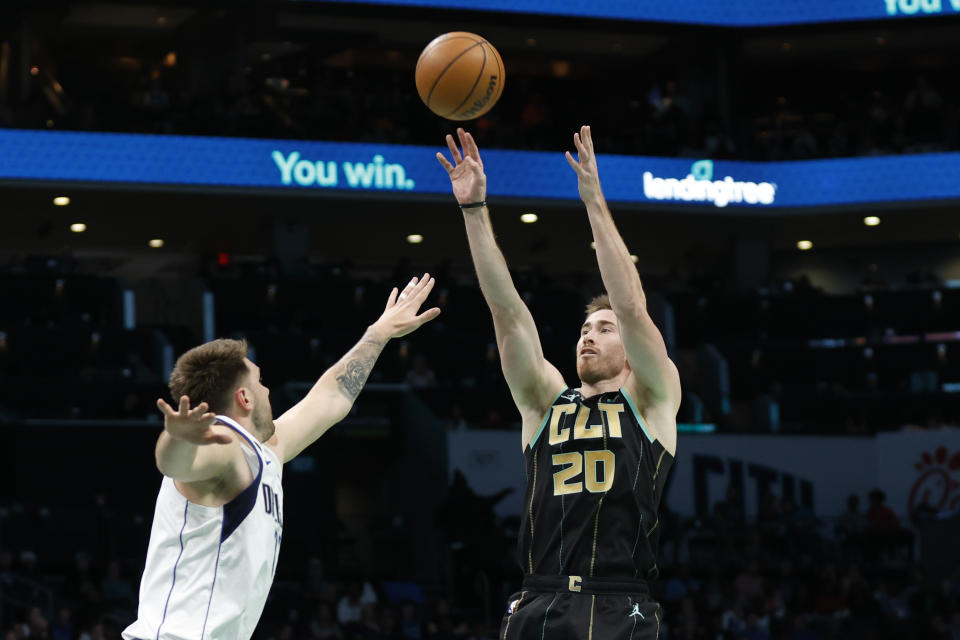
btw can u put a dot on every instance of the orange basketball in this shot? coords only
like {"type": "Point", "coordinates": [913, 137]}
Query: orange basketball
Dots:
{"type": "Point", "coordinates": [460, 76]}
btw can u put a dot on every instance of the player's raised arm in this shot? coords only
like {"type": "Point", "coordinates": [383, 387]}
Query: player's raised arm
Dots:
{"type": "Point", "coordinates": [330, 399]}
{"type": "Point", "coordinates": [656, 375]}
{"type": "Point", "coordinates": [190, 449]}
{"type": "Point", "coordinates": [533, 381]}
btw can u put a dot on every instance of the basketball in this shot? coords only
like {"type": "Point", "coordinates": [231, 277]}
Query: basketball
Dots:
{"type": "Point", "coordinates": [460, 76]}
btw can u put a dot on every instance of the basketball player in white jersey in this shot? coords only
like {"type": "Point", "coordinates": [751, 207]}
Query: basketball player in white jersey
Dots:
{"type": "Point", "coordinates": [218, 522]}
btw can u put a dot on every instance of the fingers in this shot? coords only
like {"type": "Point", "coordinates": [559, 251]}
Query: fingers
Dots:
{"type": "Point", "coordinates": [444, 162]}
{"type": "Point", "coordinates": [199, 411]}
{"type": "Point", "coordinates": [165, 408]}
{"type": "Point", "coordinates": [392, 299]}
{"type": "Point", "coordinates": [573, 163]}
{"type": "Point", "coordinates": [427, 316]}
{"type": "Point", "coordinates": [407, 290]}
{"type": "Point", "coordinates": [453, 149]}
{"type": "Point", "coordinates": [184, 404]}
{"type": "Point", "coordinates": [578, 143]}
{"type": "Point", "coordinates": [469, 145]}
{"type": "Point", "coordinates": [422, 290]}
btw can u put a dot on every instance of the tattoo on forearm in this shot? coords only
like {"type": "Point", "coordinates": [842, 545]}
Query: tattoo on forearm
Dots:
{"type": "Point", "coordinates": [355, 375]}
{"type": "Point", "coordinates": [358, 364]}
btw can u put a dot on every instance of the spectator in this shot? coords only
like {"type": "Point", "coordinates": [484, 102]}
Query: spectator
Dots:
{"type": "Point", "coordinates": [851, 522]}
{"type": "Point", "coordinates": [411, 628]}
{"type": "Point", "coordinates": [63, 627]}
{"type": "Point", "coordinates": [324, 626]}
{"type": "Point", "coordinates": [879, 515]}
{"type": "Point", "coordinates": [350, 607]}
{"type": "Point", "coordinates": [421, 376]}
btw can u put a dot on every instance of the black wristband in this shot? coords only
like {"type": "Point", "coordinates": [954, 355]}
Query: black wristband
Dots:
{"type": "Point", "coordinates": [474, 205]}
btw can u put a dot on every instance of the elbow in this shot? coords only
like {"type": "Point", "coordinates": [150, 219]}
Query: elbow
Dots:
{"type": "Point", "coordinates": [633, 307]}
{"type": "Point", "coordinates": [163, 467]}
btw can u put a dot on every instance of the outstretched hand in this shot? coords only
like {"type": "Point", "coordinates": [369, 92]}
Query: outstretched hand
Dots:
{"type": "Point", "coordinates": [588, 177]}
{"type": "Point", "coordinates": [193, 425]}
{"type": "Point", "coordinates": [401, 315]}
{"type": "Point", "coordinates": [466, 174]}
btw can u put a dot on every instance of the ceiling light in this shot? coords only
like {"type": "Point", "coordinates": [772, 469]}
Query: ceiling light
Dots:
{"type": "Point", "coordinates": [634, 258]}
{"type": "Point", "coordinates": [156, 243]}
{"type": "Point", "coordinates": [871, 221]}
{"type": "Point", "coordinates": [78, 227]}
{"type": "Point", "coordinates": [593, 245]}
{"type": "Point", "coordinates": [529, 218]}
{"type": "Point", "coordinates": [804, 245]}
{"type": "Point", "coordinates": [61, 201]}
{"type": "Point", "coordinates": [414, 238]}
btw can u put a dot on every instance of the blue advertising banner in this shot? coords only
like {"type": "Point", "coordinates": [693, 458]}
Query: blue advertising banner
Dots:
{"type": "Point", "coordinates": [111, 158]}
{"type": "Point", "coordinates": [730, 13]}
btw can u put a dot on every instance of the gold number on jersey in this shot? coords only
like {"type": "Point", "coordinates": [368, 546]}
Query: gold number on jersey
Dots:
{"type": "Point", "coordinates": [574, 464]}
{"type": "Point", "coordinates": [575, 468]}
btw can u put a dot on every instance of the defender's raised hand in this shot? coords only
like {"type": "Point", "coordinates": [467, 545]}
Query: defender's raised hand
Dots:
{"type": "Point", "coordinates": [401, 315]}
{"type": "Point", "coordinates": [588, 177]}
{"type": "Point", "coordinates": [466, 174]}
{"type": "Point", "coordinates": [193, 425]}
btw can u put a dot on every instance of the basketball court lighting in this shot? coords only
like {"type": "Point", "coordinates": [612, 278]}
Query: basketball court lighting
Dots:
{"type": "Point", "coordinates": [871, 221]}
{"type": "Point", "coordinates": [61, 201]}
{"type": "Point", "coordinates": [78, 227]}
{"type": "Point", "coordinates": [804, 245]}
{"type": "Point", "coordinates": [529, 218]}
{"type": "Point", "coordinates": [156, 243]}
{"type": "Point", "coordinates": [414, 238]}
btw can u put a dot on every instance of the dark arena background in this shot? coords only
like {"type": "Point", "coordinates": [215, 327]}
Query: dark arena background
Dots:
{"type": "Point", "coordinates": [170, 174]}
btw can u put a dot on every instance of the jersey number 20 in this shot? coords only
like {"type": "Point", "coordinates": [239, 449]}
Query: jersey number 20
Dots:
{"type": "Point", "coordinates": [600, 467]}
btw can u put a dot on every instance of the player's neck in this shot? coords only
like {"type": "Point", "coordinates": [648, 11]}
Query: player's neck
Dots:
{"type": "Point", "coordinates": [247, 423]}
{"type": "Point", "coordinates": [590, 389]}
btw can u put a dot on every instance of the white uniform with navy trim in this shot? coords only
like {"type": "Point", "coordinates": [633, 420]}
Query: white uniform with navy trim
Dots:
{"type": "Point", "coordinates": [209, 569]}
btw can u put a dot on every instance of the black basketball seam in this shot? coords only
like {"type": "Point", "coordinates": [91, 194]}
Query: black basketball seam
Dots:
{"type": "Point", "coordinates": [475, 82]}
{"type": "Point", "coordinates": [429, 48]}
{"type": "Point", "coordinates": [450, 64]}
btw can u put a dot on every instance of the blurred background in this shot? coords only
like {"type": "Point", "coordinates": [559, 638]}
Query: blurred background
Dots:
{"type": "Point", "coordinates": [817, 485]}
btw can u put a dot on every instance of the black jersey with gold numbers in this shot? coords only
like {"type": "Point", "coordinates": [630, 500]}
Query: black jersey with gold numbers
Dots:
{"type": "Point", "coordinates": [595, 477]}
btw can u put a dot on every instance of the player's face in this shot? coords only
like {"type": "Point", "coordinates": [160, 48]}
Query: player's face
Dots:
{"type": "Point", "coordinates": [262, 412]}
{"type": "Point", "coordinates": [600, 354]}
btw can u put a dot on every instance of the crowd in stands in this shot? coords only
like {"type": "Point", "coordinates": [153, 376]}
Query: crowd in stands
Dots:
{"type": "Point", "coordinates": [339, 91]}
{"type": "Point", "coordinates": [781, 575]}
{"type": "Point", "coordinates": [874, 360]}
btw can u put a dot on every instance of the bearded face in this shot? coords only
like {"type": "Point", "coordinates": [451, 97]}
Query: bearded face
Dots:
{"type": "Point", "coordinates": [600, 354]}
{"type": "Point", "coordinates": [263, 419]}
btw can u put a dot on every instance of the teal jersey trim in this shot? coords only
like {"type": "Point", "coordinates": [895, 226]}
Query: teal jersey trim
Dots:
{"type": "Point", "coordinates": [545, 418]}
{"type": "Point", "coordinates": [636, 414]}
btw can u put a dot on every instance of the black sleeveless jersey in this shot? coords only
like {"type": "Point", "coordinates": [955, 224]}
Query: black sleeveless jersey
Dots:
{"type": "Point", "coordinates": [595, 477]}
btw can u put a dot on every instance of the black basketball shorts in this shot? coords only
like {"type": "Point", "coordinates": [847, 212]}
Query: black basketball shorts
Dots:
{"type": "Point", "coordinates": [575, 608]}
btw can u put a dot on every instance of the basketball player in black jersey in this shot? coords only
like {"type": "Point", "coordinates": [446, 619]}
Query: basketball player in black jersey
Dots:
{"type": "Point", "coordinates": [597, 456]}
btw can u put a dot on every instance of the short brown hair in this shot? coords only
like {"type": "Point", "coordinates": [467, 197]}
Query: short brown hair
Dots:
{"type": "Point", "coordinates": [210, 373]}
{"type": "Point", "coordinates": [600, 302]}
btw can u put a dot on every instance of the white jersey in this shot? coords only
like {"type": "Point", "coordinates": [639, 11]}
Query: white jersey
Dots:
{"type": "Point", "coordinates": [209, 569]}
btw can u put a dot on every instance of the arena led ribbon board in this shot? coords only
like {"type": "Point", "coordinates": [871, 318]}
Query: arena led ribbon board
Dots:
{"type": "Point", "coordinates": [409, 171]}
{"type": "Point", "coordinates": [725, 13]}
